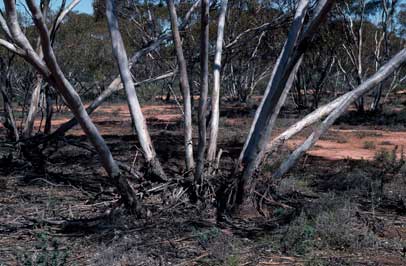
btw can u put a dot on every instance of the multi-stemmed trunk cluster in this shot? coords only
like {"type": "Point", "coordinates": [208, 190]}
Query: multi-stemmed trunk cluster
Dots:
{"type": "Point", "coordinates": [258, 145]}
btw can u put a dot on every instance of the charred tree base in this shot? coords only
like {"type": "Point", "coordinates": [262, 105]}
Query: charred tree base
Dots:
{"type": "Point", "coordinates": [153, 170]}
{"type": "Point", "coordinates": [128, 195]}
{"type": "Point", "coordinates": [232, 197]}
{"type": "Point", "coordinates": [235, 199]}
{"type": "Point", "coordinates": [33, 154]}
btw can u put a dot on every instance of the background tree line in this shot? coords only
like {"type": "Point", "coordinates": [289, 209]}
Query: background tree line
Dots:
{"type": "Point", "coordinates": [252, 43]}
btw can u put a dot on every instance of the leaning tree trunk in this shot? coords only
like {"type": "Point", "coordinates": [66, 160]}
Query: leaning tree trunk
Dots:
{"type": "Point", "coordinates": [51, 71]}
{"type": "Point", "coordinates": [49, 111]}
{"type": "Point", "coordinates": [225, 200]}
{"type": "Point", "coordinates": [349, 98]}
{"type": "Point", "coordinates": [263, 123]}
{"type": "Point", "coordinates": [185, 88]}
{"type": "Point", "coordinates": [154, 166]}
{"type": "Point", "coordinates": [204, 90]}
{"type": "Point", "coordinates": [36, 93]}
{"type": "Point", "coordinates": [260, 133]}
{"type": "Point", "coordinates": [33, 109]}
{"type": "Point", "coordinates": [215, 95]}
{"type": "Point", "coordinates": [308, 120]}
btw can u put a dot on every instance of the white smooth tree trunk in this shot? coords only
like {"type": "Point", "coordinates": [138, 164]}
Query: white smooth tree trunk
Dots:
{"type": "Point", "coordinates": [72, 98]}
{"type": "Point", "coordinates": [185, 87]}
{"type": "Point", "coordinates": [383, 73]}
{"type": "Point", "coordinates": [116, 84]}
{"type": "Point", "coordinates": [215, 95]}
{"type": "Point", "coordinates": [33, 110]}
{"type": "Point", "coordinates": [132, 99]}
{"type": "Point", "coordinates": [36, 93]}
{"type": "Point", "coordinates": [264, 118]}
{"type": "Point", "coordinates": [308, 120]}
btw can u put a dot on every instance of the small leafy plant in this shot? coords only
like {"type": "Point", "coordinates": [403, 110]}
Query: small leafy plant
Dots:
{"type": "Point", "coordinates": [47, 253]}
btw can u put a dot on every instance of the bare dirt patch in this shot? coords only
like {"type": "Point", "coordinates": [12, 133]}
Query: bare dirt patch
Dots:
{"type": "Point", "coordinates": [358, 144]}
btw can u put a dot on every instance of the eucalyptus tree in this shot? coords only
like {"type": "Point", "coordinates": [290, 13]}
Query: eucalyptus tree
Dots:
{"type": "Point", "coordinates": [366, 45]}
{"type": "Point", "coordinates": [38, 84]}
{"type": "Point", "coordinates": [204, 90]}
{"type": "Point", "coordinates": [215, 95]}
{"type": "Point", "coordinates": [251, 46]}
{"type": "Point", "coordinates": [116, 84]}
{"type": "Point", "coordinates": [50, 70]}
{"type": "Point", "coordinates": [382, 46]}
{"type": "Point", "coordinates": [184, 86]}
{"type": "Point", "coordinates": [154, 166]}
{"type": "Point", "coordinates": [346, 100]}
{"type": "Point", "coordinates": [255, 145]}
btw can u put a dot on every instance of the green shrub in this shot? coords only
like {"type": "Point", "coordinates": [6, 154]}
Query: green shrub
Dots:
{"type": "Point", "coordinates": [330, 224]}
{"type": "Point", "coordinates": [369, 145]}
{"type": "Point", "coordinates": [47, 253]}
{"type": "Point", "coordinates": [389, 160]}
{"type": "Point", "coordinates": [233, 261]}
{"type": "Point", "coordinates": [299, 237]}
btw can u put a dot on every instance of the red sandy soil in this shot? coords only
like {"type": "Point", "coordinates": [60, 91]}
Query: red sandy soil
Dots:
{"type": "Point", "coordinates": [108, 118]}
{"type": "Point", "coordinates": [355, 144]}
